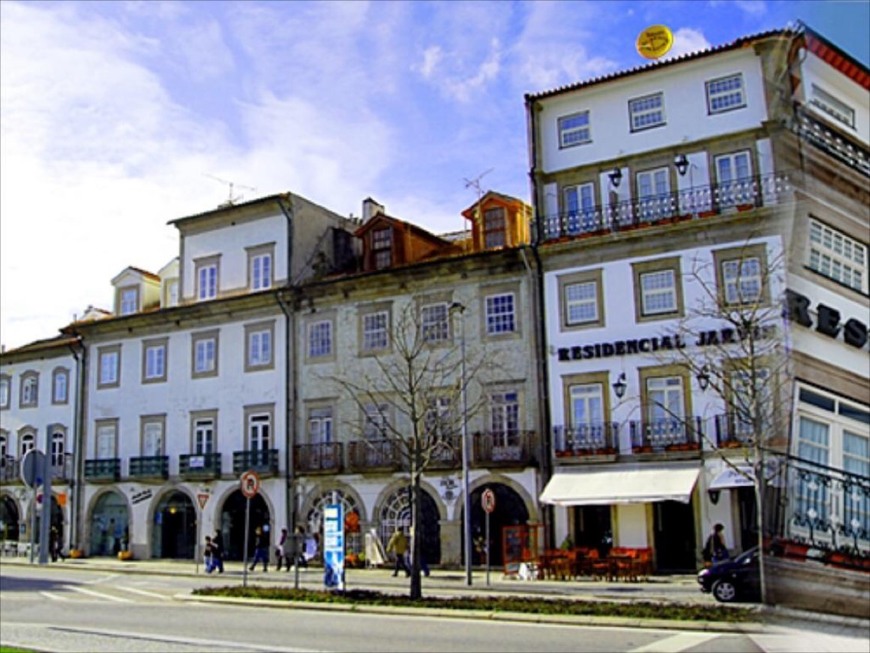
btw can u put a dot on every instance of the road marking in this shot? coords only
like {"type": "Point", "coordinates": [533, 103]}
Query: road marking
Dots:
{"type": "Point", "coordinates": [103, 579]}
{"type": "Point", "coordinates": [54, 597]}
{"type": "Point", "coordinates": [100, 595]}
{"type": "Point", "coordinates": [154, 595]}
{"type": "Point", "coordinates": [676, 643]}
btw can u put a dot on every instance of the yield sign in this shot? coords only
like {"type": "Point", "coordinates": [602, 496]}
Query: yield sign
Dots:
{"type": "Point", "coordinates": [202, 498]}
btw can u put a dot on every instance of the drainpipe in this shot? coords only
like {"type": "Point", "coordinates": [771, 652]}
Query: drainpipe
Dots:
{"type": "Point", "coordinates": [290, 373]}
{"type": "Point", "coordinates": [79, 353]}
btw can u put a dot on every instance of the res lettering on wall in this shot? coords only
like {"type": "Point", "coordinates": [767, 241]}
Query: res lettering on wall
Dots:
{"type": "Point", "coordinates": [828, 320]}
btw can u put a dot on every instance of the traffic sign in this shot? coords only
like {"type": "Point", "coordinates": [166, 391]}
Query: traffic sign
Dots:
{"type": "Point", "coordinates": [33, 468]}
{"type": "Point", "coordinates": [250, 483]}
{"type": "Point", "coordinates": [487, 500]}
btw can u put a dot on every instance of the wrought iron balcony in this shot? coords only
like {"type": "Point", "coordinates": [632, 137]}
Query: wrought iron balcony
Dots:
{"type": "Point", "coordinates": [199, 466]}
{"type": "Point", "coordinates": [262, 461]}
{"type": "Point", "coordinates": [149, 467]}
{"type": "Point", "coordinates": [318, 458]}
{"type": "Point", "coordinates": [732, 432]}
{"type": "Point", "coordinates": [9, 469]}
{"type": "Point", "coordinates": [447, 454]}
{"type": "Point", "coordinates": [600, 438]}
{"type": "Point", "coordinates": [368, 455]}
{"type": "Point", "coordinates": [667, 434]}
{"type": "Point", "coordinates": [698, 201]}
{"type": "Point", "coordinates": [503, 449]}
{"type": "Point", "coordinates": [103, 470]}
{"type": "Point", "coordinates": [813, 131]}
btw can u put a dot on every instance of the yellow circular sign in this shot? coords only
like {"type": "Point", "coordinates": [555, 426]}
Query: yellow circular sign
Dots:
{"type": "Point", "coordinates": [654, 42]}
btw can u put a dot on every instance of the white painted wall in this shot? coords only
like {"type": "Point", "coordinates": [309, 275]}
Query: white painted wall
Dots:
{"type": "Point", "coordinates": [815, 71]}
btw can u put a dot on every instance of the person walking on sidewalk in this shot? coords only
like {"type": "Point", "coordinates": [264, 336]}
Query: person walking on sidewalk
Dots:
{"type": "Point", "coordinates": [217, 552]}
{"type": "Point", "coordinates": [261, 550]}
{"type": "Point", "coordinates": [715, 549]}
{"type": "Point", "coordinates": [398, 545]}
{"type": "Point", "coordinates": [208, 555]}
{"type": "Point", "coordinates": [280, 550]}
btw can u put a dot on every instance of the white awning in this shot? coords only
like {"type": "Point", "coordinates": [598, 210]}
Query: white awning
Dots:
{"type": "Point", "coordinates": [731, 478]}
{"type": "Point", "coordinates": [643, 483]}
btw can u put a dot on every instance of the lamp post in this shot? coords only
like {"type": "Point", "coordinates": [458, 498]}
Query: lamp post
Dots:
{"type": "Point", "coordinates": [456, 306]}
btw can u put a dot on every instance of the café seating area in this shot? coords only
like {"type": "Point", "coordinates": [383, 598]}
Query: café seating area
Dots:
{"type": "Point", "coordinates": [621, 563]}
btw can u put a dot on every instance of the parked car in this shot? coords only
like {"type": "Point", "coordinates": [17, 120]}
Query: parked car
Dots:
{"type": "Point", "coordinates": [733, 579]}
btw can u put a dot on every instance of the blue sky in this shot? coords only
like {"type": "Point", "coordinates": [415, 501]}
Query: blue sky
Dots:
{"type": "Point", "coordinates": [116, 117]}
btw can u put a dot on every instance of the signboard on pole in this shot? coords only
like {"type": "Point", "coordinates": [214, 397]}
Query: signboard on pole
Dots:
{"type": "Point", "coordinates": [32, 467]}
{"type": "Point", "coordinates": [487, 500]}
{"type": "Point", "coordinates": [333, 546]}
{"type": "Point", "coordinates": [250, 484]}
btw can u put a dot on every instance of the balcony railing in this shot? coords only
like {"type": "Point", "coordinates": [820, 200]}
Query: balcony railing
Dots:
{"type": "Point", "coordinates": [199, 466]}
{"type": "Point", "coordinates": [103, 470]}
{"type": "Point", "coordinates": [698, 201]}
{"type": "Point", "coordinates": [586, 439]}
{"type": "Point", "coordinates": [732, 432]}
{"type": "Point", "coordinates": [262, 461]}
{"type": "Point", "coordinates": [61, 468]}
{"type": "Point", "coordinates": [149, 467]}
{"type": "Point", "coordinates": [9, 469]}
{"type": "Point", "coordinates": [367, 455]}
{"type": "Point", "coordinates": [318, 458]}
{"type": "Point", "coordinates": [828, 140]}
{"type": "Point", "coordinates": [667, 434]}
{"type": "Point", "coordinates": [447, 454]}
{"type": "Point", "coordinates": [503, 449]}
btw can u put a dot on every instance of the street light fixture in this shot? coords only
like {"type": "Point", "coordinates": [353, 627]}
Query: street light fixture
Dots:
{"type": "Point", "coordinates": [456, 306]}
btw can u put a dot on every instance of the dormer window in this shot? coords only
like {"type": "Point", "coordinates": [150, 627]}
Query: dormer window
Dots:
{"type": "Point", "coordinates": [128, 301]}
{"type": "Point", "coordinates": [494, 227]}
{"type": "Point", "coordinates": [382, 248]}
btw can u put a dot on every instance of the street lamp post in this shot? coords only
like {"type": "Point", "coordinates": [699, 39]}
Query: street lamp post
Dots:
{"type": "Point", "coordinates": [465, 487]}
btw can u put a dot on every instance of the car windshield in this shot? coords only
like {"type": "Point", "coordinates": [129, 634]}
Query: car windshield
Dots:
{"type": "Point", "coordinates": [747, 556]}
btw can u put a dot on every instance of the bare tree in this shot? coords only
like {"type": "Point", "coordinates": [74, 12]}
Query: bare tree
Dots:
{"type": "Point", "coordinates": [413, 397]}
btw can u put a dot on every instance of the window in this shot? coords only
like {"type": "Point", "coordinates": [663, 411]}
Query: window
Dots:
{"type": "Point", "coordinates": [258, 346]}
{"type": "Point", "coordinates": [838, 257]}
{"type": "Point", "coordinates": [658, 291]}
{"type": "Point", "coordinates": [749, 403]}
{"type": "Point", "coordinates": [106, 440]}
{"type": "Point", "coordinates": [152, 435]}
{"type": "Point", "coordinates": [129, 301]}
{"type": "Point", "coordinates": [580, 208]}
{"type": "Point", "coordinates": [586, 413]}
{"type": "Point", "coordinates": [259, 432]}
{"type": "Point", "coordinates": [725, 94]}
{"type": "Point", "coordinates": [260, 267]}
{"type": "Point", "coordinates": [734, 177]}
{"type": "Point", "coordinates": [500, 314]}
{"type": "Point", "coordinates": [434, 322]}
{"type": "Point", "coordinates": [665, 409]}
{"type": "Point", "coordinates": [582, 300]}
{"type": "Point", "coordinates": [172, 293]}
{"type": "Point", "coordinates": [110, 364]}
{"type": "Point", "coordinates": [204, 439]}
{"type": "Point", "coordinates": [504, 417]}
{"type": "Point", "coordinates": [58, 448]}
{"type": "Point", "coordinates": [320, 425]}
{"type": "Point", "coordinates": [206, 278]}
{"type": "Point", "coordinates": [320, 339]}
{"type": "Point", "coordinates": [29, 390]}
{"type": "Point", "coordinates": [832, 106]}
{"type": "Point", "coordinates": [647, 112]}
{"type": "Point", "coordinates": [26, 441]}
{"type": "Point", "coordinates": [494, 227]}
{"type": "Point", "coordinates": [574, 130]}
{"type": "Point", "coordinates": [205, 354]}
{"type": "Point", "coordinates": [154, 360]}
{"type": "Point", "coordinates": [375, 331]}
{"type": "Point", "coordinates": [60, 386]}
{"type": "Point", "coordinates": [5, 391]}
{"type": "Point", "coordinates": [375, 422]}
{"type": "Point", "coordinates": [439, 418]}
{"type": "Point", "coordinates": [741, 276]}
{"type": "Point", "coordinates": [382, 248]}
{"type": "Point", "coordinates": [4, 448]}
{"type": "Point", "coordinates": [653, 193]}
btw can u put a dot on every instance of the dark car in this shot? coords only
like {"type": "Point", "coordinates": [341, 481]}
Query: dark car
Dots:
{"type": "Point", "coordinates": [733, 579]}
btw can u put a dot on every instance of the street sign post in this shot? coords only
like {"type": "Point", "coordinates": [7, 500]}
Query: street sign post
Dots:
{"type": "Point", "coordinates": [487, 501]}
{"type": "Point", "coordinates": [250, 485]}
{"type": "Point", "coordinates": [36, 474]}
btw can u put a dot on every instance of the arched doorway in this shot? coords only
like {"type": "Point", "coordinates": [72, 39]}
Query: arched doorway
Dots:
{"type": "Point", "coordinates": [354, 541]}
{"type": "Point", "coordinates": [109, 525]}
{"type": "Point", "coordinates": [9, 519]}
{"type": "Point", "coordinates": [174, 533]}
{"type": "Point", "coordinates": [232, 524]}
{"type": "Point", "coordinates": [510, 510]}
{"type": "Point", "coordinates": [396, 511]}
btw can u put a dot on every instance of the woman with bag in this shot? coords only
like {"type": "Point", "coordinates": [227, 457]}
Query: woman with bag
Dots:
{"type": "Point", "coordinates": [715, 549]}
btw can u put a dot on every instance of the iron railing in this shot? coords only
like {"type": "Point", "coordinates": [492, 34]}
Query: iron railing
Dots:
{"type": "Point", "coordinates": [698, 201]}
{"type": "Point", "coordinates": [447, 454]}
{"type": "Point", "coordinates": [666, 434]}
{"type": "Point", "coordinates": [149, 467]}
{"type": "Point", "coordinates": [732, 431]}
{"type": "Point", "coordinates": [103, 470]}
{"type": "Point", "coordinates": [366, 455]}
{"type": "Point", "coordinates": [503, 449]}
{"type": "Point", "coordinates": [586, 439]}
{"type": "Point", "coordinates": [262, 461]}
{"type": "Point", "coordinates": [9, 469]}
{"type": "Point", "coordinates": [313, 458]}
{"type": "Point", "coordinates": [61, 467]}
{"type": "Point", "coordinates": [202, 465]}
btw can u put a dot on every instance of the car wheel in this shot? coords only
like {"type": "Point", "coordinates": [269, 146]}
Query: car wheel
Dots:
{"type": "Point", "coordinates": [725, 591]}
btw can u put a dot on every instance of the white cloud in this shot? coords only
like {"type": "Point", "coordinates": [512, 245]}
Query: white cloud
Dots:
{"type": "Point", "coordinates": [686, 41]}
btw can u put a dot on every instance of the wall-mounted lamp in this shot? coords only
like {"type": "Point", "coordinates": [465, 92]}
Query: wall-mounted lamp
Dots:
{"type": "Point", "coordinates": [704, 377]}
{"type": "Point", "coordinates": [619, 386]}
{"type": "Point", "coordinates": [682, 164]}
{"type": "Point", "coordinates": [615, 177]}
{"type": "Point", "coordinates": [714, 496]}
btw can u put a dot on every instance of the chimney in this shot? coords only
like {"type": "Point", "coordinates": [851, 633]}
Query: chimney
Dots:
{"type": "Point", "coordinates": [370, 209]}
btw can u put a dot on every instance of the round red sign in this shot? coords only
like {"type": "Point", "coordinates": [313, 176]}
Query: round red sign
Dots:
{"type": "Point", "coordinates": [487, 499]}
{"type": "Point", "coordinates": [250, 483]}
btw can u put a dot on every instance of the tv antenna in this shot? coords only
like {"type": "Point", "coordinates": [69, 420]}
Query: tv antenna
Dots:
{"type": "Point", "coordinates": [231, 199]}
{"type": "Point", "coordinates": [475, 183]}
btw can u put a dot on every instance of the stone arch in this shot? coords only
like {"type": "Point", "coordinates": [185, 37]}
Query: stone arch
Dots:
{"type": "Point", "coordinates": [10, 518]}
{"type": "Point", "coordinates": [312, 512]}
{"type": "Point", "coordinates": [173, 524]}
{"type": "Point", "coordinates": [231, 521]}
{"type": "Point", "coordinates": [109, 523]}
{"type": "Point", "coordinates": [393, 509]}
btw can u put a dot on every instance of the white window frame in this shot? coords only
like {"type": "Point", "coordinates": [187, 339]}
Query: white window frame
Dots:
{"type": "Point", "coordinates": [320, 425]}
{"type": "Point", "coordinates": [725, 93]}
{"type": "Point", "coordinates": [261, 271]}
{"type": "Point", "coordinates": [664, 295]}
{"type": "Point", "coordinates": [501, 314]}
{"type": "Point", "coordinates": [647, 112]}
{"type": "Point", "coordinates": [376, 419]}
{"type": "Point", "coordinates": [29, 390]}
{"type": "Point", "coordinates": [207, 281]}
{"type": "Point", "coordinates": [574, 129]}
{"type": "Point", "coordinates": [106, 440]}
{"type": "Point", "coordinates": [495, 227]}
{"type": "Point", "coordinates": [205, 355]}
{"type": "Point", "coordinates": [109, 360]}
{"type": "Point", "coordinates": [58, 447]}
{"type": "Point", "coordinates": [152, 437]}
{"type": "Point", "coordinates": [204, 436]}
{"type": "Point", "coordinates": [259, 346]}
{"type": "Point", "coordinates": [129, 301]}
{"type": "Point", "coordinates": [382, 247]}
{"type": "Point", "coordinates": [259, 431]}
{"type": "Point", "coordinates": [833, 106]}
{"type": "Point", "coordinates": [375, 331]}
{"type": "Point", "coordinates": [836, 256]}
{"type": "Point", "coordinates": [26, 441]}
{"type": "Point", "coordinates": [504, 416]}
{"type": "Point", "coordinates": [653, 194]}
{"type": "Point", "coordinates": [60, 386]}
{"type": "Point", "coordinates": [435, 322]}
{"type": "Point", "coordinates": [5, 391]}
{"type": "Point", "coordinates": [579, 213]}
{"type": "Point", "coordinates": [154, 363]}
{"type": "Point", "coordinates": [320, 339]}
{"type": "Point", "coordinates": [665, 399]}
{"type": "Point", "coordinates": [734, 178]}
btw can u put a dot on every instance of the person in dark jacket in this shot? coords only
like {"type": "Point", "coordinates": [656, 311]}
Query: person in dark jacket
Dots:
{"type": "Point", "coordinates": [715, 549]}
{"type": "Point", "coordinates": [261, 550]}
{"type": "Point", "coordinates": [217, 552]}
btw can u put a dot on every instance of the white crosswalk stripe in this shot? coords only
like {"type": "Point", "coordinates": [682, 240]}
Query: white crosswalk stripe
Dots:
{"type": "Point", "coordinates": [676, 643]}
{"type": "Point", "coordinates": [153, 595]}
{"type": "Point", "coordinates": [99, 595]}
{"type": "Point", "coordinates": [54, 597]}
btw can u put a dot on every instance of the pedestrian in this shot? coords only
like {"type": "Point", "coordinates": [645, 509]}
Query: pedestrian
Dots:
{"type": "Point", "coordinates": [217, 552]}
{"type": "Point", "coordinates": [398, 545]}
{"type": "Point", "coordinates": [261, 550]}
{"type": "Point", "coordinates": [55, 547]}
{"type": "Point", "coordinates": [208, 555]}
{"type": "Point", "coordinates": [300, 547]}
{"type": "Point", "coordinates": [714, 548]}
{"type": "Point", "coordinates": [280, 550]}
